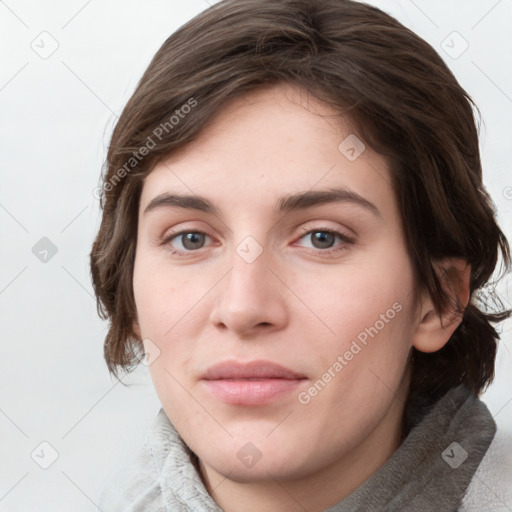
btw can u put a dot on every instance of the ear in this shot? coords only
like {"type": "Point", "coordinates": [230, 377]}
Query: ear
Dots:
{"type": "Point", "coordinates": [435, 329]}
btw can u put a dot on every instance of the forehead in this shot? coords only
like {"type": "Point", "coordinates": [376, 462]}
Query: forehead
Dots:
{"type": "Point", "coordinates": [269, 142]}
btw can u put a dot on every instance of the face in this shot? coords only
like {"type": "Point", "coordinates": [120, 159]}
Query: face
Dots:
{"type": "Point", "coordinates": [277, 301]}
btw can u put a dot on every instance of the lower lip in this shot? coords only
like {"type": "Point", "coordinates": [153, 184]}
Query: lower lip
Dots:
{"type": "Point", "coordinates": [251, 392]}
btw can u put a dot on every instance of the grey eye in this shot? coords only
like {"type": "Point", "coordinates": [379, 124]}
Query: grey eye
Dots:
{"type": "Point", "coordinates": [322, 239]}
{"type": "Point", "coordinates": [192, 240]}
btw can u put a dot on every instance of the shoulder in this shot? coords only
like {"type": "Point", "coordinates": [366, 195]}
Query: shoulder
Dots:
{"type": "Point", "coordinates": [491, 486]}
{"type": "Point", "coordinates": [136, 487]}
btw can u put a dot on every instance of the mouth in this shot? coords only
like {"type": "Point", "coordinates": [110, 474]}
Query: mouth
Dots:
{"type": "Point", "coordinates": [252, 383]}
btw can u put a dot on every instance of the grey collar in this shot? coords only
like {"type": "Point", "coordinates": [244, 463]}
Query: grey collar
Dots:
{"type": "Point", "coordinates": [428, 473]}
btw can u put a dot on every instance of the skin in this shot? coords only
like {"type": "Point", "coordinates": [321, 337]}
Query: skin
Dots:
{"type": "Point", "coordinates": [294, 304]}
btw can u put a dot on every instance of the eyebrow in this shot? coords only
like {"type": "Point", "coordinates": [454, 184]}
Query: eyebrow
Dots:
{"type": "Point", "coordinates": [296, 201]}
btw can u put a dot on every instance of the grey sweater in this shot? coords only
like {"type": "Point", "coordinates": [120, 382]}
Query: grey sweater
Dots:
{"type": "Point", "coordinates": [430, 471]}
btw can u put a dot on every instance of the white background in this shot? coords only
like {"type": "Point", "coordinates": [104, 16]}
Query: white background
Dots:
{"type": "Point", "coordinates": [56, 118]}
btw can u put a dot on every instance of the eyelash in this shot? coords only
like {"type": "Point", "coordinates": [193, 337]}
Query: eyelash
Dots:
{"type": "Point", "coordinates": [305, 231]}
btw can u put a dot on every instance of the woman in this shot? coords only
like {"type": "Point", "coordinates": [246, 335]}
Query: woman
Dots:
{"type": "Point", "coordinates": [295, 231]}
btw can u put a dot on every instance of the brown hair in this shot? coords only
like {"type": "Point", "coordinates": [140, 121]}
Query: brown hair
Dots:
{"type": "Point", "coordinates": [403, 101]}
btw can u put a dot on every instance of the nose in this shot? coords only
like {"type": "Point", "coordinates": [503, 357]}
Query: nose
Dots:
{"type": "Point", "coordinates": [251, 298]}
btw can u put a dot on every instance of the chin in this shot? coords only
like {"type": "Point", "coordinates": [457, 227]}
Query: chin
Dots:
{"type": "Point", "coordinates": [246, 463]}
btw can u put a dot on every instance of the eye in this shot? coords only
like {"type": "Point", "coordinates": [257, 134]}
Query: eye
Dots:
{"type": "Point", "coordinates": [323, 239]}
{"type": "Point", "coordinates": [190, 241]}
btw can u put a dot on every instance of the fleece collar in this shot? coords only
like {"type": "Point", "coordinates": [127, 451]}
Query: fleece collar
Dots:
{"type": "Point", "coordinates": [429, 472]}
{"type": "Point", "coordinates": [433, 467]}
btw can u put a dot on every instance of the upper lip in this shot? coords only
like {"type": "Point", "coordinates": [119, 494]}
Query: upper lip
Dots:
{"type": "Point", "coordinates": [249, 370]}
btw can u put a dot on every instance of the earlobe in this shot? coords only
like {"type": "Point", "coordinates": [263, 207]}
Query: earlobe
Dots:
{"type": "Point", "coordinates": [434, 330]}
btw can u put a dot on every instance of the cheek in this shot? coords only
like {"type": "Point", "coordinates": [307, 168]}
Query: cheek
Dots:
{"type": "Point", "coordinates": [166, 320]}
{"type": "Point", "coordinates": [351, 298]}
{"type": "Point", "coordinates": [171, 314]}
{"type": "Point", "coordinates": [155, 292]}
{"type": "Point", "coordinates": [369, 310]}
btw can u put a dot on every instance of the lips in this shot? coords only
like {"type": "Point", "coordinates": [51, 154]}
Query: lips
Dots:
{"type": "Point", "coordinates": [251, 383]}
{"type": "Point", "coordinates": [250, 370]}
